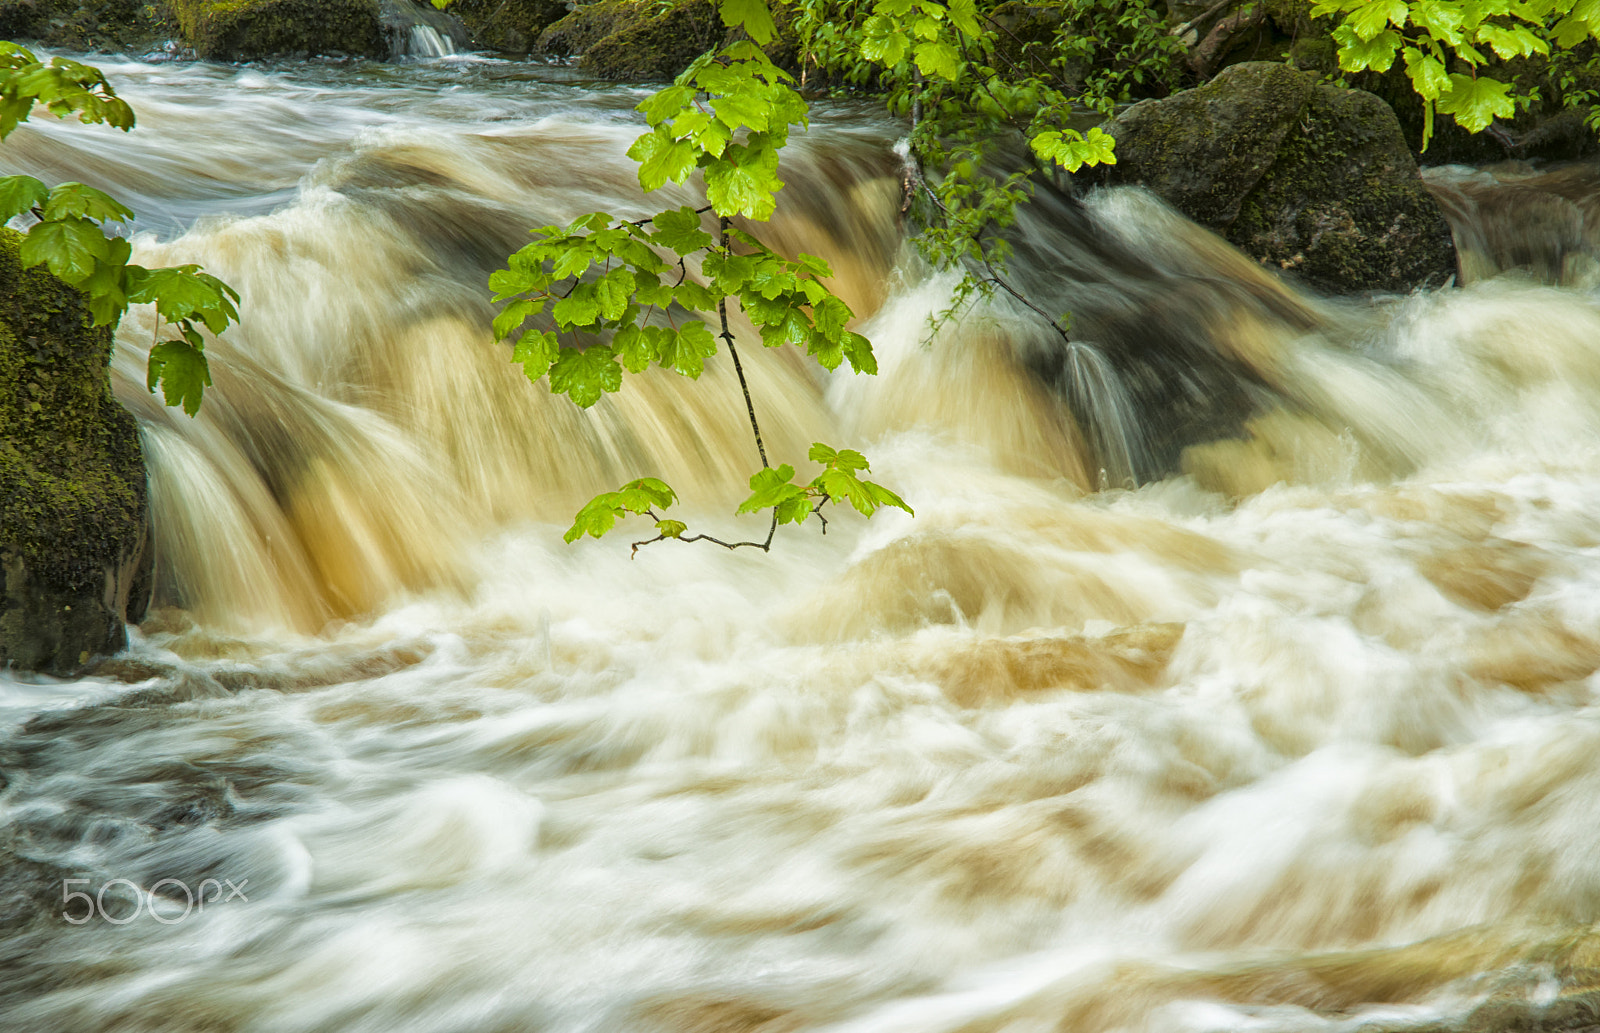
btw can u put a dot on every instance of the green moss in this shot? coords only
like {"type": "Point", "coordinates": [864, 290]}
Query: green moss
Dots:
{"type": "Point", "coordinates": [1342, 206]}
{"type": "Point", "coordinates": [513, 26]}
{"type": "Point", "coordinates": [74, 25]}
{"type": "Point", "coordinates": [72, 485]}
{"type": "Point", "coordinates": [657, 47]}
{"type": "Point", "coordinates": [249, 29]}
{"type": "Point", "coordinates": [633, 40]}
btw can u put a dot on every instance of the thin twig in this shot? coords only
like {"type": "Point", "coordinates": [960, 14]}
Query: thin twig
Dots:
{"type": "Point", "coordinates": [765, 546]}
{"type": "Point", "coordinates": [738, 367]}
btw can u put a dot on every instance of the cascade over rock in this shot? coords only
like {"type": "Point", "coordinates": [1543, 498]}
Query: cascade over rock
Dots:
{"type": "Point", "coordinates": [73, 519]}
{"type": "Point", "coordinates": [1314, 180]}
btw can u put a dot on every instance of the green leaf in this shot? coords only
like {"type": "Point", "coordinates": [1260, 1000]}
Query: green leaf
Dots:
{"type": "Point", "coordinates": [1356, 54]}
{"type": "Point", "coordinates": [597, 516]}
{"type": "Point", "coordinates": [750, 15]}
{"type": "Point", "coordinates": [1476, 102]}
{"type": "Point", "coordinates": [70, 247]}
{"type": "Point", "coordinates": [613, 292]}
{"type": "Point", "coordinates": [512, 316]}
{"type": "Point", "coordinates": [938, 59]}
{"type": "Point", "coordinates": [184, 292]}
{"type": "Point", "coordinates": [671, 528]}
{"type": "Point", "coordinates": [1374, 17]}
{"type": "Point", "coordinates": [662, 159]}
{"type": "Point", "coordinates": [537, 351]}
{"type": "Point", "coordinates": [181, 370]}
{"type": "Point", "coordinates": [68, 199]}
{"type": "Point", "coordinates": [578, 309]}
{"type": "Point", "coordinates": [640, 495]}
{"type": "Point", "coordinates": [20, 194]}
{"type": "Point", "coordinates": [687, 350]}
{"type": "Point", "coordinates": [771, 487]}
{"type": "Point", "coordinates": [585, 375]}
{"type": "Point", "coordinates": [1428, 75]}
{"type": "Point", "coordinates": [680, 230]}
{"type": "Point", "coordinates": [744, 189]}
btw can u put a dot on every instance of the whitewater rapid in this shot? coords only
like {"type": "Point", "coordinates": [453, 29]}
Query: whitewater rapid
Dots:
{"type": "Point", "coordinates": [1236, 672]}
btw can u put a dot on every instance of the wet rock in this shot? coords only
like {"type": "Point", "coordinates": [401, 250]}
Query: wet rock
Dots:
{"type": "Point", "coordinates": [512, 26]}
{"type": "Point", "coordinates": [1314, 180]}
{"type": "Point", "coordinates": [74, 561]}
{"type": "Point", "coordinates": [243, 30]}
{"type": "Point", "coordinates": [634, 40]}
{"type": "Point", "coordinates": [110, 25]}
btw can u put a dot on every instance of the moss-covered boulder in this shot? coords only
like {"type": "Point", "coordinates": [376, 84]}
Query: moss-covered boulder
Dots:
{"type": "Point", "coordinates": [73, 521]}
{"type": "Point", "coordinates": [1314, 180]}
{"type": "Point", "coordinates": [243, 30]}
{"type": "Point", "coordinates": [638, 40]}
{"type": "Point", "coordinates": [109, 25]}
{"type": "Point", "coordinates": [512, 26]}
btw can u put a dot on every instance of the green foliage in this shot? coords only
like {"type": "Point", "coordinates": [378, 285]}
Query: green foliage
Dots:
{"type": "Point", "coordinates": [976, 92]}
{"type": "Point", "coordinates": [1451, 48]}
{"type": "Point", "coordinates": [605, 296]}
{"type": "Point", "coordinates": [68, 237]}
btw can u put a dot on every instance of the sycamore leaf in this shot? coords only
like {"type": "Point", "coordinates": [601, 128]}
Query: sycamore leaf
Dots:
{"type": "Point", "coordinates": [70, 247]}
{"type": "Point", "coordinates": [1357, 54]}
{"type": "Point", "coordinates": [1371, 19]}
{"type": "Point", "coordinates": [585, 375]}
{"type": "Point", "coordinates": [1428, 75]}
{"type": "Point", "coordinates": [1476, 102]}
{"type": "Point", "coordinates": [181, 370]}
{"type": "Point", "coordinates": [770, 487]}
{"type": "Point", "coordinates": [20, 194]}
{"type": "Point", "coordinates": [512, 316]}
{"type": "Point", "coordinates": [743, 189]}
{"type": "Point", "coordinates": [536, 351]}
{"type": "Point", "coordinates": [680, 230]}
{"type": "Point", "coordinates": [940, 59]}
{"type": "Point", "coordinates": [750, 15]}
{"type": "Point", "coordinates": [687, 350]}
{"type": "Point", "coordinates": [184, 292]}
{"type": "Point", "coordinates": [84, 201]}
{"type": "Point", "coordinates": [662, 158]}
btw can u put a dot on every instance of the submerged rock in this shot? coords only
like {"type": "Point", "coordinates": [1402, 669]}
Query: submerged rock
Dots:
{"type": "Point", "coordinates": [1314, 180]}
{"type": "Point", "coordinates": [74, 562]}
{"type": "Point", "coordinates": [234, 30]}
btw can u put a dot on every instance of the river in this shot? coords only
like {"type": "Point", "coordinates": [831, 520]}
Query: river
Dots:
{"type": "Point", "coordinates": [1237, 671]}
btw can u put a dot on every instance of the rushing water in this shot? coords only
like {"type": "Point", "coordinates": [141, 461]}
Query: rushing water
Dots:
{"type": "Point", "coordinates": [1290, 728]}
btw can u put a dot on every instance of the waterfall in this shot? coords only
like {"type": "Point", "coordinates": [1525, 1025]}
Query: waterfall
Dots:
{"type": "Point", "coordinates": [1293, 729]}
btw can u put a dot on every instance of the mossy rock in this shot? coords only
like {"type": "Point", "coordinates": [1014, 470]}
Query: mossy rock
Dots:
{"type": "Point", "coordinates": [1313, 180]}
{"type": "Point", "coordinates": [73, 517]}
{"type": "Point", "coordinates": [588, 24]}
{"type": "Point", "coordinates": [107, 25]}
{"type": "Point", "coordinates": [511, 26]}
{"type": "Point", "coordinates": [635, 40]}
{"type": "Point", "coordinates": [244, 30]}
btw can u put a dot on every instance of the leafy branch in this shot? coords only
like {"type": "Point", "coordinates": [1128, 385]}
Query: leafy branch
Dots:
{"type": "Point", "coordinates": [589, 302]}
{"type": "Point", "coordinates": [1446, 47]}
{"type": "Point", "coordinates": [69, 239]}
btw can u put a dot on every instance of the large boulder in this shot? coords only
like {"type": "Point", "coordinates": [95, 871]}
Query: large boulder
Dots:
{"type": "Point", "coordinates": [1314, 180]}
{"type": "Point", "coordinates": [243, 30]}
{"type": "Point", "coordinates": [637, 40]}
{"type": "Point", "coordinates": [74, 561]}
{"type": "Point", "coordinates": [75, 25]}
{"type": "Point", "coordinates": [513, 26]}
